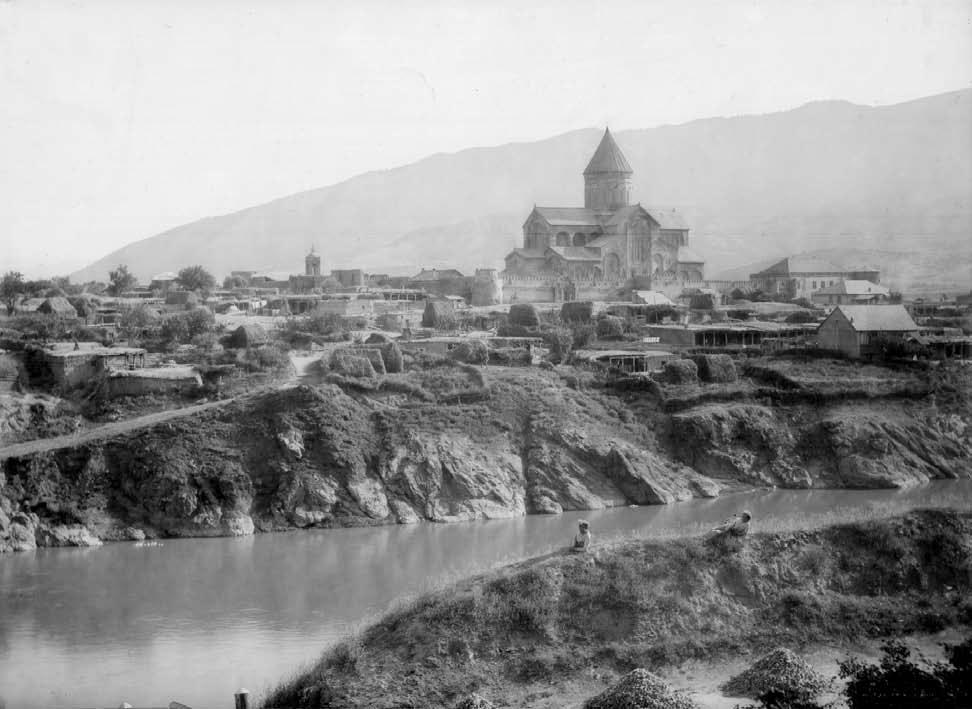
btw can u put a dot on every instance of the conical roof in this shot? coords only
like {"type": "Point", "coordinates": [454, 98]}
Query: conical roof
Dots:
{"type": "Point", "coordinates": [608, 158]}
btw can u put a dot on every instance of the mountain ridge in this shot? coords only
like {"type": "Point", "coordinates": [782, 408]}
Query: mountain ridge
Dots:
{"type": "Point", "coordinates": [753, 187]}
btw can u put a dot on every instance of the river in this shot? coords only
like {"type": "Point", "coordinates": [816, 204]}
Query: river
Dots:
{"type": "Point", "coordinates": [195, 619]}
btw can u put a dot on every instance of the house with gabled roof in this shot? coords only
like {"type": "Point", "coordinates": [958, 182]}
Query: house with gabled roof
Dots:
{"type": "Point", "coordinates": [859, 330]}
{"type": "Point", "coordinates": [851, 292]}
{"type": "Point", "coordinates": [609, 239]}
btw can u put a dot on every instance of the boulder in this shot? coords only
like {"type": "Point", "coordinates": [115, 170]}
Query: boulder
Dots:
{"type": "Point", "coordinates": [66, 535]}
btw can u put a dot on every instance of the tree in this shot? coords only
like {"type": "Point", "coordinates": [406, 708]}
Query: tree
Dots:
{"type": "Point", "coordinates": [231, 282]}
{"type": "Point", "coordinates": [196, 278]}
{"type": "Point", "coordinates": [120, 280]}
{"type": "Point", "coordinates": [11, 286]}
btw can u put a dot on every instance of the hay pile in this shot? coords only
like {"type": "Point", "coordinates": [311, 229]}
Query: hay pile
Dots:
{"type": "Point", "coordinates": [718, 368]}
{"type": "Point", "coordinates": [351, 364]}
{"type": "Point", "coordinates": [474, 701]}
{"type": "Point", "coordinates": [578, 311]}
{"type": "Point", "coordinates": [781, 670]}
{"type": "Point", "coordinates": [680, 371]}
{"type": "Point", "coordinates": [640, 689]}
{"type": "Point", "coordinates": [440, 315]}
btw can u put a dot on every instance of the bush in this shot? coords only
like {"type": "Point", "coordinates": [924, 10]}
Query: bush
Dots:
{"type": "Point", "coordinates": [559, 340]}
{"type": "Point", "coordinates": [182, 327]}
{"type": "Point", "coordinates": [392, 354]}
{"type": "Point", "coordinates": [507, 330]}
{"type": "Point", "coordinates": [265, 358]}
{"type": "Point", "coordinates": [524, 314]}
{"type": "Point", "coordinates": [577, 312]}
{"type": "Point", "coordinates": [610, 327]}
{"type": "Point", "coordinates": [471, 352]}
{"type": "Point", "coordinates": [583, 336]}
{"type": "Point", "coordinates": [510, 357]}
{"type": "Point", "coordinates": [898, 682]}
{"type": "Point", "coordinates": [801, 316]}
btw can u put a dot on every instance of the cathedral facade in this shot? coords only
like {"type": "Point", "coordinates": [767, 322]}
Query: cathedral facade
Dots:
{"type": "Point", "coordinates": [609, 239]}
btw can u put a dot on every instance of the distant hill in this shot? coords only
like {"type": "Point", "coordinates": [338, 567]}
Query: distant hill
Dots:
{"type": "Point", "coordinates": [828, 175]}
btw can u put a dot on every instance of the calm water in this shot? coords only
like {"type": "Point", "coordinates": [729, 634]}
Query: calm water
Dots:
{"type": "Point", "coordinates": [195, 619]}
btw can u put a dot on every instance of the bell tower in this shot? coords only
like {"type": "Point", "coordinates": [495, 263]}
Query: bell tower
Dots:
{"type": "Point", "coordinates": [312, 264]}
{"type": "Point", "coordinates": [607, 179]}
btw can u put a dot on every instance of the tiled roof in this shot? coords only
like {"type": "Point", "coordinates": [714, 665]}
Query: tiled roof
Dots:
{"type": "Point", "coordinates": [576, 253]}
{"type": "Point", "coordinates": [608, 158]}
{"type": "Point", "coordinates": [686, 255]}
{"type": "Point", "coordinates": [852, 287]}
{"type": "Point", "coordinates": [877, 318]}
{"type": "Point", "coordinates": [434, 274]}
{"type": "Point", "coordinates": [668, 217]}
{"type": "Point", "coordinates": [800, 264]}
{"type": "Point", "coordinates": [527, 253]}
{"type": "Point", "coordinates": [569, 216]}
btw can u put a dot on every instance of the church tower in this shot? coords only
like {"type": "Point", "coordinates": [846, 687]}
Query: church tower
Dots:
{"type": "Point", "coordinates": [607, 179]}
{"type": "Point", "coordinates": [312, 264]}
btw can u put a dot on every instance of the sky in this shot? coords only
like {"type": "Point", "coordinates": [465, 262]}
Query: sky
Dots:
{"type": "Point", "coordinates": [121, 119]}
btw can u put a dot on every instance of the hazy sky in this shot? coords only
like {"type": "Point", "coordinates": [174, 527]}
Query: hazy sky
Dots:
{"type": "Point", "coordinates": [120, 119]}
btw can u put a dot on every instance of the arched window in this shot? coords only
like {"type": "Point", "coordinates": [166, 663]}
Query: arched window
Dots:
{"type": "Point", "coordinates": [580, 239]}
{"type": "Point", "coordinates": [563, 238]}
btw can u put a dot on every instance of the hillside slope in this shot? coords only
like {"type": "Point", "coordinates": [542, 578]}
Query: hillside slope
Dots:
{"type": "Point", "coordinates": [521, 635]}
{"type": "Point", "coordinates": [825, 175]}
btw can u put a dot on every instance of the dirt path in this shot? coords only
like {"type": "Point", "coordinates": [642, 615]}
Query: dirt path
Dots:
{"type": "Point", "coordinates": [105, 431]}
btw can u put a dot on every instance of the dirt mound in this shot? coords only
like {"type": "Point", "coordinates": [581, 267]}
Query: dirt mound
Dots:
{"type": "Point", "coordinates": [474, 701]}
{"type": "Point", "coordinates": [782, 670]}
{"type": "Point", "coordinates": [640, 689]}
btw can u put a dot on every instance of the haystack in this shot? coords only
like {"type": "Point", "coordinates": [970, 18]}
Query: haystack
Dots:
{"type": "Point", "coordinates": [680, 371]}
{"type": "Point", "coordinates": [718, 368]}
{"type": "Point", "coordinates": [640, 689]}
{"type": "Point", "coordinates": [351, 364]}
{"type": "Point", "coordinates": [248, 335]}
{"type": "Point", "coordinates": [781, 670]}
{"type": "Point", "coordinates": [577, 312]}
{"type": "Point", "coordinates": [475, 701]}
{"type": "Point", "coordinates": [439, 314]}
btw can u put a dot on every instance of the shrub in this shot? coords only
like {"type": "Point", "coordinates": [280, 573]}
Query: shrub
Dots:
{"type": "Point", "coordinates": [583, 336]}
{"type": "Point", "coordinates": [898, 682]}
{"type": "Point", "coordinates": [392, 354]}
{"type": "Point", "coordinates": [264, 358]}
{"type": "Point", "coordinates": [507, 330]}
{"type": "Point", "coordinates": [471, 352]}
{"type": "Point", "coordinates": [510, 356]}
{"type": "Point", "coordinates": [559, 340]}
{"type": "Point", "coordinates": [610, 327]}
{"type": "Point", "coordinates": [577, 312]}
{"type": "Point", "coordinates": [801, 316]}
{"type": "Point", "coordinates": [524, 314]}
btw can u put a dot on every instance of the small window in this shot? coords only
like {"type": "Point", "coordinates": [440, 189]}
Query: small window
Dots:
{"type": "Point", "coordinates": [814, 286]}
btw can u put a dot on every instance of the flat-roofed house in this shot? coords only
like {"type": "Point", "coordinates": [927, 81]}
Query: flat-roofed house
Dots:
{"type": "Point", "coordinates": [857, 330]}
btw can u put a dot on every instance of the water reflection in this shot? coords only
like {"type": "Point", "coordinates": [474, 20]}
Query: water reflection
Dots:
{"type": "Point", "coordinates": [194, 619]}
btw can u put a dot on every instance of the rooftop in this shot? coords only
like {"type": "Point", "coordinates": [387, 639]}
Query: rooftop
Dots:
{"type": "Point", "coordinates": [852, 287]}
{"type": "Point", "coordinates": [877, 318]}
{"type": "Point", "coordinates": [568, 216]}
{"type": "Point", "coordinates": [608, 158]}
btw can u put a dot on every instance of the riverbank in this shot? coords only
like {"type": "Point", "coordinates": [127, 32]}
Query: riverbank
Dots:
{"type": "Point", "coordinates": [514, 636]}
{"type": "Point", "coordinates": [446, 442]}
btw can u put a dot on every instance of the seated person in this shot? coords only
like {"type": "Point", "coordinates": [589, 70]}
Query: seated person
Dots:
{"type": "Point", "coordinates": [582, 540]}
{"type": "Point", "coordinates": [735, 526]}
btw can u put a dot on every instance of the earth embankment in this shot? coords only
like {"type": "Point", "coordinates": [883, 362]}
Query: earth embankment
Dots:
{"type": "Point", "coordinates": [508, 442]}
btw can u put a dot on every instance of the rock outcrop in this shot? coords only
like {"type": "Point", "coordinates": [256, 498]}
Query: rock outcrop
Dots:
{"type": "Point", "coordinates": [529, 442]}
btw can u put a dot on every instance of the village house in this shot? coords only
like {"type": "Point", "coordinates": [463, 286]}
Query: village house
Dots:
{"type": "Point", "coordinates": [800, 276]}
{"type": "Point", "coordinates": [859, 330]}
{"type": "Point", "coordinates": [851, 292]}
{"type": "Point", "coordinates": [608, 239]}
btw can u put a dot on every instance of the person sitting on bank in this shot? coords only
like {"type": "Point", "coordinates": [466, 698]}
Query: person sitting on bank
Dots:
{"type": "Point", "coordinates": [735, 526]}
{"type": "Point", "coordinates": [582, 540]}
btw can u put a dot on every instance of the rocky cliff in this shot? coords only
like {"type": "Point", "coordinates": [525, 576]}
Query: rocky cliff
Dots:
{"type": "Point", "coordinates": [535, 442]}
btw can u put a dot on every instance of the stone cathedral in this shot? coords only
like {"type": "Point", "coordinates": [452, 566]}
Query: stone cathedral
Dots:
{"type": "Point", "coordinates": [609, 240]}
